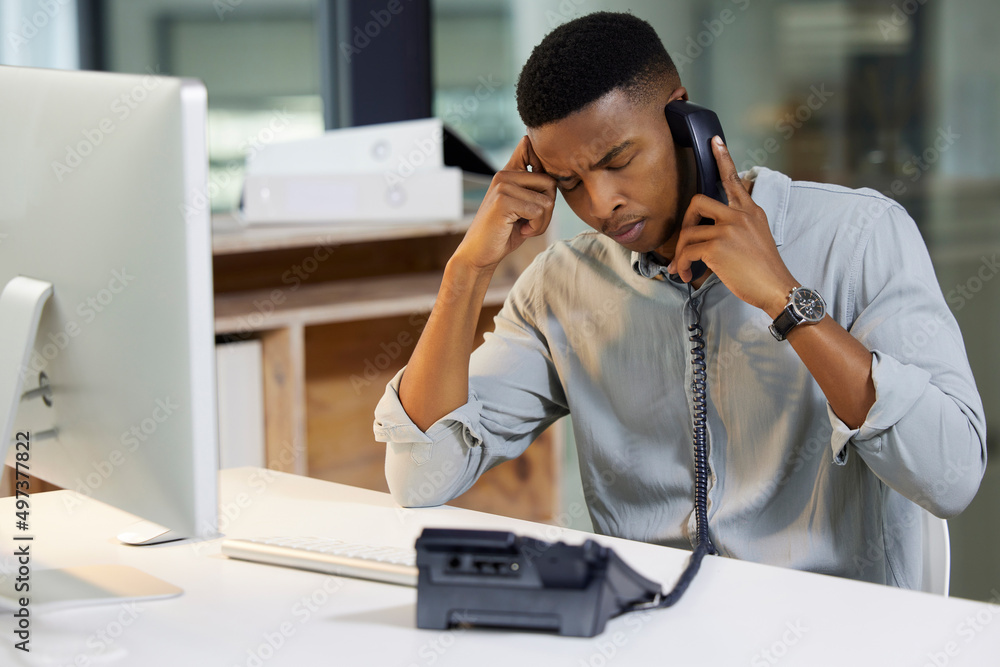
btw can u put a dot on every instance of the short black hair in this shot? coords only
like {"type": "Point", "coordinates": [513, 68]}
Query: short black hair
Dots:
{"type": "Point", "coordinates": [585, 59]}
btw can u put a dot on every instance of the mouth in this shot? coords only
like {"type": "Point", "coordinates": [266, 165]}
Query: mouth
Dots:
{"type": "Point", "coordinates": [628, 233]}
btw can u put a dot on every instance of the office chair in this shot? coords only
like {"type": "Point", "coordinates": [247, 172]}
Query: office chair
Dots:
{"type": "Point", "coordinates": [936, 555]}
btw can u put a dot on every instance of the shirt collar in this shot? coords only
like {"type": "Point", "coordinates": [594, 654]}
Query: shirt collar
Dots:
{"type": "Point", "coordinates": [647, 265]}
{"type": "Point", "coordinates": [770, 191]}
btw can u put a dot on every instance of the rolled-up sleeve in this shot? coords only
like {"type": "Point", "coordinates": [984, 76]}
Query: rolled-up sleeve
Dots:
{"type": "Point", "coordinates": [514, 394]}
{"type": "Point", "coordinates": [925, 435]}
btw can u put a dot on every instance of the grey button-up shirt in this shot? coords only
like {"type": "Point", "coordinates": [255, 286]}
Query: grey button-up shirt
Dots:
{"type": "Point", "coordinates": [594, 331]}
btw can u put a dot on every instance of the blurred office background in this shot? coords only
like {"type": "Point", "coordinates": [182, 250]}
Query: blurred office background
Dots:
{"type": "Point", "coordinates": [898, 95]}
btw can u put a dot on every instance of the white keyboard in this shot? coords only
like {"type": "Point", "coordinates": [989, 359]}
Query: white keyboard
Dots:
{"type": "Point", "coordinates": [321, 554]}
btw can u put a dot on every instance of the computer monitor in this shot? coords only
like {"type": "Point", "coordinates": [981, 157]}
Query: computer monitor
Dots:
{"type": "Point", "coordinates": [103, 195]}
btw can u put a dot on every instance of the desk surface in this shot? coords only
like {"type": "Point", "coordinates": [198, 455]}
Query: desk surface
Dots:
{"type": "Point", "coordinates": [235, 613]}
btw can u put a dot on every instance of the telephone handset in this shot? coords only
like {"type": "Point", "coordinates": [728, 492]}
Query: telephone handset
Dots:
{"type": "Point", "coordinates": [693, 126]}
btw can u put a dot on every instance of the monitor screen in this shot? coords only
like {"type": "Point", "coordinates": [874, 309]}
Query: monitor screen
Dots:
{"type": "Point", "coordinates": [103, 194]}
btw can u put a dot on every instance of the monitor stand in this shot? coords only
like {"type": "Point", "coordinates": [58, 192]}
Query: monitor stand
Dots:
{"type": "Point", "coordinates": [21, 305]}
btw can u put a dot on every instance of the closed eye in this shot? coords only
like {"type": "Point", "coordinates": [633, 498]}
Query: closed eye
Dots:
{"type": "Point", "coordinates": [620, 167]}
{"type": "Point", "coordinates": [609, 168]}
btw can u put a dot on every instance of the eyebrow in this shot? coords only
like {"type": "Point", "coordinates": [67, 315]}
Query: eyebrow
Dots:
{"type": "Point", "coordinates": [613, 153]}
{"type": "Point", "coordinates": [603, 162]}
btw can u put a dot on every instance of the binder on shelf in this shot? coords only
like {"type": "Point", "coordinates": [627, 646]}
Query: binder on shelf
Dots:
{"type": "Point", "coordinates": [371, 148]}
{"type": "Point", "coordinates": [390, 172]}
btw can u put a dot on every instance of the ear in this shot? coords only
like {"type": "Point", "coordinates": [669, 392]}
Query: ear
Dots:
{"type": "Point", "coordinates": [679, 93]}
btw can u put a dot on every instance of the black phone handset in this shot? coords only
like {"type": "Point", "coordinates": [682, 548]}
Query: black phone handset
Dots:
{"type": "Point", "coordinates": [693, 127]}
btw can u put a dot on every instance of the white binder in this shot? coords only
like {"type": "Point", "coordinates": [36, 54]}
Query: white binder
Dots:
{"type": "Point", "coordinates": [390, 172]}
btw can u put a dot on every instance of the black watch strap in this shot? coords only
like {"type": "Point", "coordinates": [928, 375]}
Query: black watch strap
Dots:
{"type": "Point", "coordinates": [784, 323]}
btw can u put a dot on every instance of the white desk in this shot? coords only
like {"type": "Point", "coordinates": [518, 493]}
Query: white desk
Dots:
{"type": "Point", "coordinates": [237, 613]}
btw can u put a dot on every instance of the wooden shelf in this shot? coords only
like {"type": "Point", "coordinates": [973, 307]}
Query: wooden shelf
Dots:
{"type": "Point", "coordinates": [232, 237]}
{"type": "Point", "coordinates": [341, 301]}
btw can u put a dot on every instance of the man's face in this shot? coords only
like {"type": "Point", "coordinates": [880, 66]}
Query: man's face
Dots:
{"type": "Point", "coordinates": [616, 165]}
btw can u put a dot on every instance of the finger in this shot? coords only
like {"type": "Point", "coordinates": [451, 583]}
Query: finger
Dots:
{"type": "Point", "coordinates": [527, 211]}
{"type": "Point", "coordinates": [530, 224]}
{"type": "Point", "coordinates": [530, 181]}
{"type": "Point", "coordinates": [527, 179]}
{"type": "Point", "coordinates": [536, 164]}
{"type": "Point", "coordinates": [730, 178]}
{"type": "Point", "coordinates": [535, 226]}
{"type": "Point", "coordinates": [516, 197]}
{"type": "Point", "coordinates": [692, 253]}
{"type": "Point", "coordinates": [690, 248]}
{"type": "Point", "coordinates": [702, 206]}
{"type": "Point", "coordinates": [519, 159]}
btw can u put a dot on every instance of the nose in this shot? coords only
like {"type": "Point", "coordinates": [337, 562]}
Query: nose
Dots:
{"type": "Point", "coordinates": [605, 198]}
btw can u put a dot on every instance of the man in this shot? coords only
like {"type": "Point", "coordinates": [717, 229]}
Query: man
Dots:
{"type": "Point", "coordinates": [823, 444]}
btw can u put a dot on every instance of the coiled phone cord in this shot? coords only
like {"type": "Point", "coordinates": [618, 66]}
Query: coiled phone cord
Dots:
{"type": "Point", "coordinates": [700, 390]}
{"type": "Point", "coordinates": [699, 387]}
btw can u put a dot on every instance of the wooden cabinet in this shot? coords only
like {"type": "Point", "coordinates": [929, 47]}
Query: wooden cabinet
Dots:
{"type": "Point", "coordinates": [338, 310]}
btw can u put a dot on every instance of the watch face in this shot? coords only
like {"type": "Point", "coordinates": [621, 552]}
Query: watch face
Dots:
{"type": "Point", "coordinates": [809, 304]}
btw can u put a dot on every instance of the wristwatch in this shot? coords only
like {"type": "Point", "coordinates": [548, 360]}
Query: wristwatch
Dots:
{"type": "Point", "coordinates": [805, 306]}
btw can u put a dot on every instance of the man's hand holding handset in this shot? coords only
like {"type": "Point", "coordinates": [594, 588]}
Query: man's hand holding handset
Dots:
{"type": "Point", "coordinates": [739, 247]}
